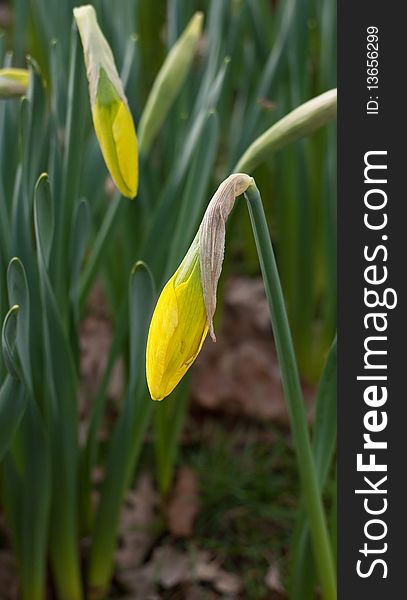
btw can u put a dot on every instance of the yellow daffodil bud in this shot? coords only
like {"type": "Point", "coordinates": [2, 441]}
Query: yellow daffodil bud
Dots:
{"type": "Point", "coordinates": [185, 309]}
{"type": "Point", "coordinates": [112, 118]}
{"type": "Point", "coordinates": [169, 81]}
{"type": "Point", "coordinates": [13, 82]}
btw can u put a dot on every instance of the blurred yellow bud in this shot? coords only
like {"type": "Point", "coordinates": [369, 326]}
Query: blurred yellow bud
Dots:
{"type": "Point", "coordinates": [13, 82]}
{"type": "Point", "coordinates": [112, 118]}
{"type": "Point", "coordinates": [169, 81]}
{"type": "Point", "coordinates": [185, 309]}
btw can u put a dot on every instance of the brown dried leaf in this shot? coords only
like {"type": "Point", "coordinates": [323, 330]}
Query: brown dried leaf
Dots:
{"type": "Point", "coordinates": [95, 340]}
{"type": "Point", "coordinates": [137, 524]}
{"type": "Point", "coordinates": [184, 503]}
{"type": "Point", "coordinates": [273, 580]}
{"type": "Point", "coordinates": [206, 569]}
{"type": "Point", "coordinates": [5, 16]}
{"type": "Point", "coordinates": [196, 592]}
{"type": "Point", "coordinates": [240, 374]}
{"type": "Point", "coordinates": [171, 567]}
{"type": "Point", "coordinates": [8, 576]}
{"type": "Point", "coordinates": [242, 378]}
{"type": "Point", "coordinates": [228, 583]}
{"type": "Point", "coordinates": [247, 308]}
{"type": "Point", "coordinates": [139, 584]}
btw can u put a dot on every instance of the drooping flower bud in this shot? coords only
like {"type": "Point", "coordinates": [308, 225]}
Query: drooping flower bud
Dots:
{"type": "Point", "coordinates": [185, 309]}
{"type": "Point", "coordinates": [112, 118]}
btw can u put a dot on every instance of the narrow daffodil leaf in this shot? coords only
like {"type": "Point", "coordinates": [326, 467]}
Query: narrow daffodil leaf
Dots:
{"type": "Point", "coordinates": [19, 294]}
{"type": "Point", "coordinates": [13, 401]}
{"type": "Point", "coordinates": [8, 342]}
{"type": "Point", "coordinates": [13, 82]}
{"type": "Point", "coordinates": [112, 118]}
{"type": "Point", "coordinates": [185, 309]}
{"type": "Point", "coordinates": [127, 437]}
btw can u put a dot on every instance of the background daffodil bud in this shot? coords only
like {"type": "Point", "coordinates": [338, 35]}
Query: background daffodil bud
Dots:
{"type": "Point", "coordinates": [13, 82]}
{"type": "Point", "coordinates": [112, 118]}
{"type": "Point", "coordinates": [169, 81]}
{"type": "Point", "coordinates": [185, 309]}
{"type": "Point", "coordinates": [300, 122]}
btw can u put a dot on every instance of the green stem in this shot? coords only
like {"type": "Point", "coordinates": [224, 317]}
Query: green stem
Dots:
{"type": "Point", "coordinates": [169, 418]}
{"type": "Point", "coordinates": [293, 395]}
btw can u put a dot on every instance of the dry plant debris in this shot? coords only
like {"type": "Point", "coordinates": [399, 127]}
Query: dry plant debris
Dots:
{"type": "Point", "coordinates": [184, 503]}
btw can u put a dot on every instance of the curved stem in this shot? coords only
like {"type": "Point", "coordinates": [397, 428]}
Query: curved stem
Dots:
{"type": "Point", "coordinates": [293, 395]}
